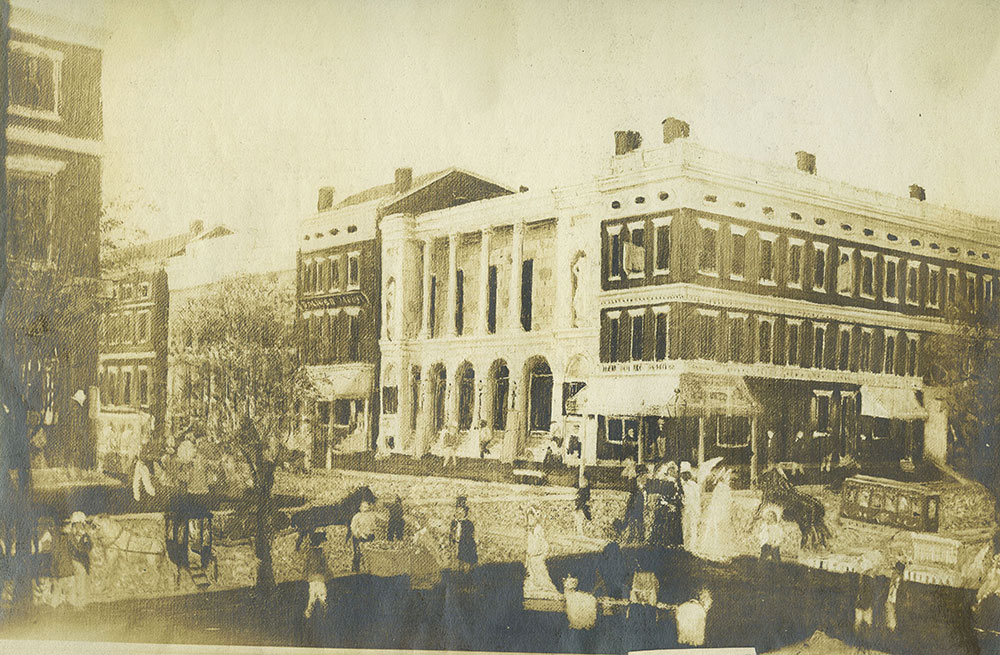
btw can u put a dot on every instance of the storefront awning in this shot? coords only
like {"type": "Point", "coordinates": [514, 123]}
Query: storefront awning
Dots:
{"type": "Point", "coordinates": [686, 394]}
{"type": "Point", "coordinates": [887, 402]}
{"type": "Point", "coordinates": [339, 381]}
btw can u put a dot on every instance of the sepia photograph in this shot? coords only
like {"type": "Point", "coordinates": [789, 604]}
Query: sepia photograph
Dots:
{"type": "Point", "coordinates": [396, 326]}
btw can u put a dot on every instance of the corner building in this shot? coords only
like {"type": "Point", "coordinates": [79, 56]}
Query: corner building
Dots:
{"type": "Point", "coordinates": [764, 314]}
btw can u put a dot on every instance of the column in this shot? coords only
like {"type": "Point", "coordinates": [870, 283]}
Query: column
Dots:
{"type": "Point", "coordinates": [484, 278]}
{"type": "Point", "coordinates": [754, 451]}
{"type": "Point", "coordinates": [425, 308]}
{"type": "Point", "coordinates": [452, 283]}
{"type": "Point", "coordinates": [701, 440]}
{"type": "Point", "coordinates": [514, 295]}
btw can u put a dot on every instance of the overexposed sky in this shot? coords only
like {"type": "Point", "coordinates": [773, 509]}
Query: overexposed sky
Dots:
{"type": "Point", "coordinates": [235, 111]}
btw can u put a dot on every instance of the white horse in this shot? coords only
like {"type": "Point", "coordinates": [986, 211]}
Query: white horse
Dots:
{"type": "Point", "coordinates": [116, 540]}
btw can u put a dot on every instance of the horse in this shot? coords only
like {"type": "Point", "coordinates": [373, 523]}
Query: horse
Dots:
{"type": "Point", "coordinates": [177, 537]}
{"type": "Point", "coordinates": [801, 508]}
{"type": "Point", "coordinates": [309, 520]}
{"type": "Point", "coordinates": [116, 540]}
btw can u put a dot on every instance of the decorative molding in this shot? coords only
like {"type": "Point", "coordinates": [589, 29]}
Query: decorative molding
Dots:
{"type": "Point", "coordinates": [55, 140]}
{"type": "Point", "coordinates": [32, 164]}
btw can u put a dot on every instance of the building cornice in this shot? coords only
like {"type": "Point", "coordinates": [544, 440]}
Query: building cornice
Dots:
{"type": "Point", "coordinates": [684, 292]}
{"type": "Point", "coordinates": [57, 28]}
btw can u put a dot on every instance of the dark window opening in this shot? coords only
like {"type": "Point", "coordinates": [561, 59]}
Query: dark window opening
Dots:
{"type": "Point", "coordinates": [661, 336]}
{"type": "Point", "coordinates": [526, 286]}
{"type": "Point", "coordinates": [390, 400]}
{"type": "Point", "coordinates": [637, 325]}
{"type": "Point", "coordinates": [501, 385]}
{"type": "Point", "coordinates": [491, 299]}
{"type": "Point", "coordinates": [466, 397]}
{"type": "Point", "coordinates": [459, 302]}
{"type": "Point", "coordinates": [540, 397]}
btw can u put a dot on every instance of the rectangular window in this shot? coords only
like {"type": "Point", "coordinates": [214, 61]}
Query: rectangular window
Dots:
{"type": "Point", "coordinates": [765, 338]}
{"type": "Point", "coordinates": [637, 325]}
{"type": "Point", "coordinates": [819, 266]}
{"type": "Point", "coordinates": [143, 327]}
{"type": "Point", "coordinates": [970, 290]}
{"type": "Point", "coordinates": [890, 354]}
{"type": "Point", "coordinates": [819, 339]}
{"type": "Point", "coordinates": [890, 289]}
{"type": "Point", "coordinates": [795, 263]}
{"type": "Point", "coordinates": [953, 288]}
{"type": "Point", "coordinates": [335, 274]}
{"type": "Point", "coordinates": [353, 345]}
{"type": "Point", "coordinates": [35, 76]}
{"type": "Point", "coordinates": [707, 256]}
{"type": "Point", "coordinates": [29, 199]}
{"type": "Point", "coordinates": [845, 271]}
{"type": "Point", "coordinates": [865, 354]}
{"type": "Point", "coordinates": [635, 250]}
{"type": "Point", "coordinates": [738, 237]}
{"type": "Point", "coordinates": [821, 411]}
{"type": "Point", "coordinates": [987, 290]}
{"type": "Point", "coordinates": [912, 345]}
{"type": "Point", "coordinates": [733, 431]}
{"type": "Point", "coordinates": [737, 330]}
{"type": "Point", "coordinates": [390, 400]}
{"type": "Point", "coordinates": [766, 259]}
{"type": "Point", "coordinates": [661, 338]}
{"type": "Point", "coordinates": [933, 286]}
{"type": "Point", "coordinates": [707, 336]}
{"type": "Point", "coordinates": [844, 359]}
{"type": "Point", "coordinates": [144, 290]}
{"type": "Point", "coordinates": [491, 300]}
{"type": "Point", "coordinates": [868, 275]}
{"type": "Point", "coordinates": [792, 342]}
{"type": "Point", "coordinates": [527, 267]}
{"type": "Point", "coordinates": [615, 268]}
{"type": "Point", "coordinates": [143, 386]}
{"type": "Point", "coordinates": [353, 272]}
{"type": "Point", "coordinates": [614, 332]}
{"type": "Point", "coordinates": [127, 387]}
{"type": "Point", "coordinates": [913, 283]}
{"type": "Point", "coordinates": [662, 228]}
{"type": "Point", "coordinates": [459, 301]}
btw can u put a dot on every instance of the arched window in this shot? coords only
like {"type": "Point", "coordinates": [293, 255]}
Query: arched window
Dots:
{"type": "Point", "coordinates": [466, 396]}
{"type": "Point", "coordinates": [501, 388]}
{"type": "Point", "coordinates": [540, 396]}
{"type": "Point", "coordinates": [439, 378]}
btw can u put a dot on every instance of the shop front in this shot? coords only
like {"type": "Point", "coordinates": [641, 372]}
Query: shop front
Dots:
{"type": "Point", "coordinates": [337, 410]}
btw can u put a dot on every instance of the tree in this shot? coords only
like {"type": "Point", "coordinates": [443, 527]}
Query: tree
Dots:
{"type": "Point", "coordinates": [237, 341]}
{"type": "Point", "coordinates": [965, 362]}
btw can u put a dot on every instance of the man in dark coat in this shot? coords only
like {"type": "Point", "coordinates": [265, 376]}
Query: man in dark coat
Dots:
{"type": "Point", "coordinates": [667, 528]}
{"type": "Point", "coordinates": [582, 504]}
{"type": "Point", "coordinates": [463, 533]}
{"type": "Point", "coordinates": [633, 526]}
{"type": "Point", "coordinates": [396, 525]}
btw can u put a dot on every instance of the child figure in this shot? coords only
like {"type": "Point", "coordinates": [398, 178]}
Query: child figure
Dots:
{"type": "Point", "coordinates": [771, 536]}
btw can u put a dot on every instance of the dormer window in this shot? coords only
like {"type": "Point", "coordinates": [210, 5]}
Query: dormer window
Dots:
{"type": "Point", "coordinates": [35, 75]}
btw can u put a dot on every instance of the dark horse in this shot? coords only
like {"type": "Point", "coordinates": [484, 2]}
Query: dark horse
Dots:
{"type": "Point", "coordinates": [183, 511]}
{"type": "Point", "coordinates": [309, 520]}
{"type": "Point", "coordinates": [807, 512]}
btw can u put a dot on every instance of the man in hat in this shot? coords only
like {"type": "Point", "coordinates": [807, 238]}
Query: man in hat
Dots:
{"type": "Point", "coordinates": [79, 546]}
{"type": "Point", "coordinates": [317, 572]}
{"type": "Point", "coordinates": [362, 530]}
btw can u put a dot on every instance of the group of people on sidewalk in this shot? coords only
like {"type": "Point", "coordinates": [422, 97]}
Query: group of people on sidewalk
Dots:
{"type": "Point", "coordinates": [62, 560]}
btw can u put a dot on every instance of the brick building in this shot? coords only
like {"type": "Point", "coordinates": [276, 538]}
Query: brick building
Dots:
{"type": "Point", "coordinates": [764, 314]}
{"type": "Point", "coordinates": [339, 300]}
{"type": "Point", "coordinates": [53, 184]}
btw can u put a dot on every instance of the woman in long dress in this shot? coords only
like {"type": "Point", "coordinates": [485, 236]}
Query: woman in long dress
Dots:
{"type": "Point", "coordinates": [717, 528]}
{"type": "Point", "coordinates": [537, 581]}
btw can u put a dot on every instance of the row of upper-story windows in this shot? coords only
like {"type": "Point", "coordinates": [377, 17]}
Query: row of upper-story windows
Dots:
{"type": "Point", "coordinates": [131, 291]}
{"type": "Point", "coordinates": [756, 256]}
{"type": "Point", "coordinates": [124, 328]}
{"type": "Point", "coordinates": [331, 337]}
{"type": "Point", "coordinates": [125, 386]}
{"type": "Point", "coordinates": [643, 334]}
{"type": "Point", "coordinates": [330, 274]}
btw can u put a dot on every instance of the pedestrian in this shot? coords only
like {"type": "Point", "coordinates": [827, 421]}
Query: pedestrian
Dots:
{"type": "Point", "coordinates": [74, 561]}
{"type": "Point", "coordinates": [864, 603]}
{"type": "Point", "coordinates": [317, 573]}
{"type": "Point", "coordinates": [362, 530]}
{"type": "Point", "coordinates": [463, 535]}
{"type": "Point", "coordinates": [691, 510]}
{"type": "Point", "coordinates": [450, 442]}
{"type": "Point", "coordinates": [142, 473]}
{"type": "Point", "coordinates": [633, 525]}
{"type": "Point", "coordinates": [44, 567]}
{"type": "Point", "coordinates": [895, 581]}
{"type": "Point", "coordinates": [691, 619]}
{"type": "Point", "coordinates": [771, 536]}
{"type": "Point", "coordinates": [629, 474]}
{"type": "Point", "coordinates": [667, 529]}
{"type": "Point", "coordinates": [62, 567]}
{"type": "Point", "coordinates": [396, 525]}
{"type": "Point", "coordinates": [582, 504]}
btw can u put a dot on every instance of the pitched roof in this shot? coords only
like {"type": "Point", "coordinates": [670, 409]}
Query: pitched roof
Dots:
{"type": "Point", "coordinates": [159, 250]}
{"type": "Point", "coordinates": [386, 190]}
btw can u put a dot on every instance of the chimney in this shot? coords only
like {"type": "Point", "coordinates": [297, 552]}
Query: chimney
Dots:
{"type": "Point", "coordinates": [197, 227]}
{"type": "Point", "coordinates": [917, 192]}
{"type": "Point", "coordinates": [626, 141]}
{"type": "Point", "coordinates": [324, 200]}
{"type": "Point", "coordinates": [806, 162]}
{"type": "Point", "coordinates": [404, 178]}
{"type": "Point", "coordinates": [674, 128]}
